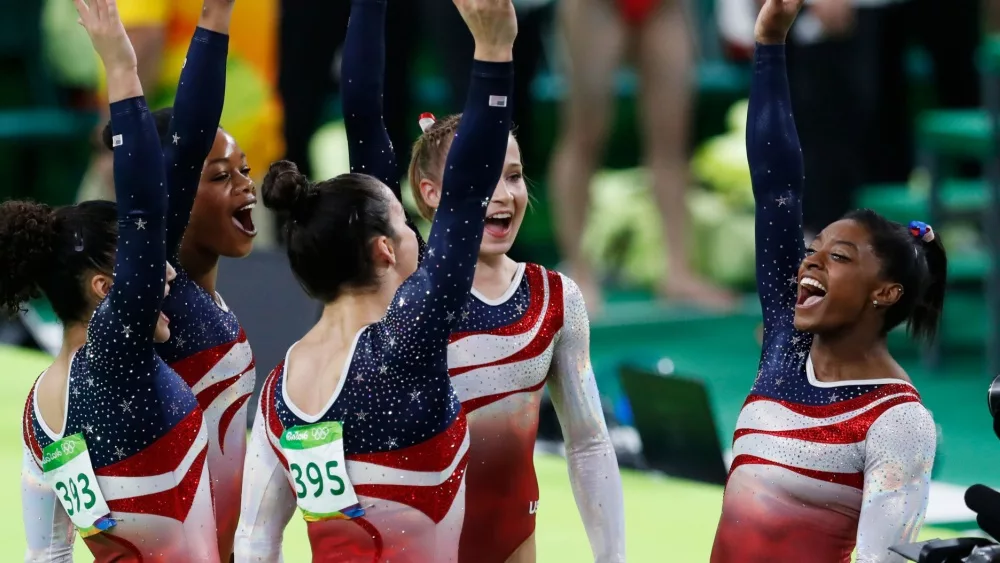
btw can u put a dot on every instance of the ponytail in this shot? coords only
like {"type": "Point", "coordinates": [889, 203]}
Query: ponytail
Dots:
{"type": "Point", "coordinates": [926, 316]}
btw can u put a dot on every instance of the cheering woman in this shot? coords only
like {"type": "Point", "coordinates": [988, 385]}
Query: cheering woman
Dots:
{"type": "Point", "coordinates": [359, 426]}
{"type": "Point", "coordinates": [833, 449]}
{"type": "Point", "coordinates": [207, 170]}
{"type": "Point", "coordinates": [522, 327]}
{"type": "Point", "coordinates": [115, 443]}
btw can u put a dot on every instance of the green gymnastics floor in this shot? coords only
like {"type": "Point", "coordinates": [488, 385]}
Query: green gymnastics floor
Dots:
{"type": "Point", "coordinates": [666, 519]}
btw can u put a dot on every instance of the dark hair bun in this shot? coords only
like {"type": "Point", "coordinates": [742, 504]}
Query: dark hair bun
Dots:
{"type": "Point", "coordinates": [28, 238]}
{"type": "Point", "coordinates": [285, 188]}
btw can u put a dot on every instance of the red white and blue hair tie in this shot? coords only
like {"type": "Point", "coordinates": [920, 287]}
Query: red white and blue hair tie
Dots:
{"type": "Point", "coordinates": [922, 231]}
{"type": "Point", "coordinates": [426, 121]}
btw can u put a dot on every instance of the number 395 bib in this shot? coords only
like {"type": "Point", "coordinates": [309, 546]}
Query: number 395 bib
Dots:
{"type": "Point", "coordinates": [66, 467]}
{"type": "Point", "coordinates": [315, 455]}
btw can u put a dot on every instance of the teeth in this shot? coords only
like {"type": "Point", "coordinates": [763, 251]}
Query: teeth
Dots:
{"type": "Point", "coordinates": [500, 216]}
{"type": "Point", "coordinates": [813, 283]}
{"type": "Point", "coordinates": [248, 207]}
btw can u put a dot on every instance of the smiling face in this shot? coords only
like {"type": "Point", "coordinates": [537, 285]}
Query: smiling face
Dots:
{"type": "Point", "coordinates": [506, 209]}
{"type": "Point", "coordinates": [840, 280]}
{"type": "Point", "coordinates": [221, 219]}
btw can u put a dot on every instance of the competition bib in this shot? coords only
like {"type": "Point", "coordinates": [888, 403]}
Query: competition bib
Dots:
{"type": "Point", "coordinates": [66, 467]}
{"type": "Point", "coordinates": [315, 455]}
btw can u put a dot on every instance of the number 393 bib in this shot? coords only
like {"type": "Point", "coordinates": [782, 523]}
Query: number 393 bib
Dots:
{"type": "Point", "coordinates": [66, 467]}
{"type": "Point", "coordinates": [315, 455]}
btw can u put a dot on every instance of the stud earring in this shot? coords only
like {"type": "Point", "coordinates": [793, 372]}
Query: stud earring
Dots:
{"type": "Point", "coordinates": [875, 303]}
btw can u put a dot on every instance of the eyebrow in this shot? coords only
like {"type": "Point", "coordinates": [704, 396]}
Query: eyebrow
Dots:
{"type": "Point", "coordinates": [243, 156]}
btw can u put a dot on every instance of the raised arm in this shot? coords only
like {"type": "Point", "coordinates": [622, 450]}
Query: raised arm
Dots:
{"type": "Point", "coordinates": [361, 90]}
{"type": "Point", "coordinates": [362, 87]}
{"type": "Point", "coordinates": [430, 301]}
{"type": "Point", "coordinates": [267, 502]}
{"type": "Point", "coordinates": [47, 528]}
{"type": "Point", "coordinates": [775, 166]}
{"type": "Point", "coordinates": [197, 110]}
{"type": "Point", "coordinates": [124, 322]}
{"type": "Point", "coordinates": [899, 455]}
{"type": "Point", "coordinates": [593, 465]}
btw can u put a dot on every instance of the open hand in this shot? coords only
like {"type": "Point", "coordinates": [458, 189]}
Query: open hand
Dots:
{"type": "Point", "coordinates": [775, 19]}
{"type": "Point", "coordinates": [837, 16]}
{"type": "Point", "coordinates": [100, 19]}
{"type": "Point", "coordinates": [493, 25]}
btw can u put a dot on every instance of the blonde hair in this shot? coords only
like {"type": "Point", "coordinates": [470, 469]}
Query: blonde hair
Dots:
{"type": "Point", "coordinates": [428, 157]}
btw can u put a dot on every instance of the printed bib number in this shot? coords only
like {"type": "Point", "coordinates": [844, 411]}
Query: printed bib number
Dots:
{"type": "Point", "coordinates": [318, 471]}
{"type": "Point", "coordinates": [66, 467]}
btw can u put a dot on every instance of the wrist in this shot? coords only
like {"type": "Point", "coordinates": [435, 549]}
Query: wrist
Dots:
{"type": "Point", "coordinates": [771, 38]}
{"type": "Point", "coordinates": [494, 53]}
{"type": "Point", "coordinates": [216, 15]}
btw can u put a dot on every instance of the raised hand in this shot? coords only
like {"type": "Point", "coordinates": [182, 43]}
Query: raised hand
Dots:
{"type": "Point", "coordinates": [100, 19]}
{"type": "Point", "coordinates": [775, 19]}
{"type": "Point", "coordinates": [493, 25]}
{"type": "Point", "coordinates": [216, 15]}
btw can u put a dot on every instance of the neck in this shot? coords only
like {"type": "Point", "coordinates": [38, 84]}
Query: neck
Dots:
{"type": "Point", "coordinates": [849, 356]}
{"type": "Point", "coordinates": [201, 266]}
{"type": "Point", "coordinates": [74, 336]}
{"type": "Point", "coordinates": [351, 312]}
{"type": "Point", "coordinates": [493, 270]}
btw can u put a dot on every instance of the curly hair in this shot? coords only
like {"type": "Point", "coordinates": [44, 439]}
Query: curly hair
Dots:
{"type": "Point", "coordinates": [46, 251]}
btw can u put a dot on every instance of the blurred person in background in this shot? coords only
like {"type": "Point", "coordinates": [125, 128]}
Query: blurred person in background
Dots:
{"type": "Point", "coordinates": [310, 38]}
{"type": "Point", "coordinates": [452, 43]}
{"type": "Point", "coordinates": [160, 30]}
{"type": "Point", "coordinates": [597, 34]}
{"type": "Point", "coordinates": [847, 66]}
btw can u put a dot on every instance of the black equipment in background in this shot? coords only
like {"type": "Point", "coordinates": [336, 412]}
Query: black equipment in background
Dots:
{"type": "Point", "coordinates": [673, 416]}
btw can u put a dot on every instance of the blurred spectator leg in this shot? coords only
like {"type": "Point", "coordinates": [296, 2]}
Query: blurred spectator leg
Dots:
{"type": "Point", "coordinates": [453, 46]}
{"type": "Point", "coordinates": [951, 32]}
{"type": "Point", "coordinates": [823, 78]}
{"type": "Point", "coordinates": [402, 35]}
{"type": "Point", "coordinates": [529, 50]}
{"type": "Point", "coordinates": [883, 37]}
{"type": "Point", "coordinates": [594, 38]}
{"type": "Point", "coordinates": [665, 64]}
{"type": "Point", "coordinates": [310, 34]}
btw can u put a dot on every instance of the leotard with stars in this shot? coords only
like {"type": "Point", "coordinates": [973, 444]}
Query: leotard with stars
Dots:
{"type": "Point", "coordinates": [207, 345]}
{"type": "Point", "coordinates": [818, 467]}
{"type": "Point", "coordinates": [145, 432]}
{"type": "Point", "coordinates": [405, 436]}
{"type": "Point", "coordinates": [501, 357]}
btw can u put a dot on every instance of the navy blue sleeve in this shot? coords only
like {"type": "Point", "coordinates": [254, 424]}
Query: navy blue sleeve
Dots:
{"type": "Point", "coordinates": [362, 87]}
{"type": "Point", "coordinates": [776, 171]}
{"type": "Point", "coordinates": [429, 304]}
{"type": "Point", "coordinates": [123, 324]}
{"type": "Point", "coordinates": [198, 105]}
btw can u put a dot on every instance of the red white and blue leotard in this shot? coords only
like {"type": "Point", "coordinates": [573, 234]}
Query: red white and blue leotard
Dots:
{"type": "Point", "coordinates": [406, 439]}
{"type": "Point", "coordinates": [207, 345]}
{"type": "Point", "coordinates": [818, 468]}
{"type": "Point", "coordinates": [145, 432]}
{"type": "Point", "coordinates": [503, 353]}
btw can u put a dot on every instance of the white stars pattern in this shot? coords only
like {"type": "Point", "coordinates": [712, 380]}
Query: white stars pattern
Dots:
{"type": "Point", "coordinates": [140, 224]}
{"type": "Point", "coordinates": [176, 138]}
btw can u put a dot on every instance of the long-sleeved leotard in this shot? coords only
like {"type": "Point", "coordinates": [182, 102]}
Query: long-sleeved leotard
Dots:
{"type": "Point", "coordinates": [207, 345]}
{"type": "Point", "coordinates": [818, 467]}
{"type": "Point", "coordinates": [362, 85]}
{"type": "Point", "coordinates": [502, 355]}
{"type": "Point", "coordinates": [144, 430]}
{"type": "Point", "coordinates": [405, 436]}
